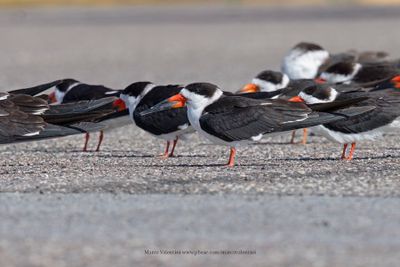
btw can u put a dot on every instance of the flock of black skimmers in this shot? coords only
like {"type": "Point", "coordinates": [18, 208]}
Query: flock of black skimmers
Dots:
{"type": "Point", "coordinates": [346, 97]}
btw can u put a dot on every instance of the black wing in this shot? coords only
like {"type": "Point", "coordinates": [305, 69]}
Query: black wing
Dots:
{"type": "Point", "coordinates": [236, 118]}
{"type": "Point", "coordinates": [387, 109]}
{"type": "Point", "coordinates": [160, 122]}
{"type": "Point", "coordinates": [32, 91]}
{"type": "Point", "coordinates": [260, 95]}
{"type": "Point", "coordinates": [371, 73]}
{"type": "Point", "coordinates": [91, 110]}
{"type": "Point", "coordinates": [29, 104]}
{"type": "Point", "coordinates": [53, 131]}
{"type": "Point", "coordinates": [14, 122]}
{"type": "Point", "coordinates": [82, 92]}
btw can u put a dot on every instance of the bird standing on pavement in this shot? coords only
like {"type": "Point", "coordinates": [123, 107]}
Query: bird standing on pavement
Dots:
{"type": "Point", "coordinates": [368, 126]}
{"type": "Point", "coordinates": [232, 120]}
{"type": "Point", "coordinates": [169, 125]}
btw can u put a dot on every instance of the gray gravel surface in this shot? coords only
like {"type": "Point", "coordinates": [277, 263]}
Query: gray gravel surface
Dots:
{"type": "Point", "coordinates": [295, 205]}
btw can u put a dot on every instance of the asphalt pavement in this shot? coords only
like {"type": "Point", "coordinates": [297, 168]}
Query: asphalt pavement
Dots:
{"type": "Point", "coordinates": [283, 205]}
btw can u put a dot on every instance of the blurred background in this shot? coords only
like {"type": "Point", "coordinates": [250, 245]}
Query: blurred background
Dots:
{"type": "Point", "coordinates": [177, 2]}
{"type": "Point", "coordinates": [227, 42]}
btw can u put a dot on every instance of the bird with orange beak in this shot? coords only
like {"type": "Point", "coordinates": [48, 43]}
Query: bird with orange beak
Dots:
{"type": "Point", "coordinates": [371, 125]}
{"type": "Point", "coordinates": [170, 125]}
{"type": "Point", "coordinates": [72, 91]}
{"type": "Point", "coordinates": [267, 81]}
{"type": "Point", "coordinates": [232, 120]}
{"type": "Point", "coordinates": [274, 84]}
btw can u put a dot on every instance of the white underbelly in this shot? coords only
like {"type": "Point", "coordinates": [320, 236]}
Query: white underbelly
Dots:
{"type": "Point", "coordinates": [345, 138]}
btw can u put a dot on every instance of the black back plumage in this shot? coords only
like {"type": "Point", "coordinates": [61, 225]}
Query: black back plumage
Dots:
{"type": "Point", "coordinates": [274, 77]}
{"type": "Point", "coordinates": [88, 92]}
{"type": "Point", "coordinates": [235, 118]}
{"type": "Point", "coordinates": [163, 122]}
{"type": "Point", "coordinates": [375, 73]}
{"type": "Point", "coordinates": [387, 103]}
{"type": "Point", "coordinates": [27, 118]}
{"type": "Point", "coordinates": [33, 91]}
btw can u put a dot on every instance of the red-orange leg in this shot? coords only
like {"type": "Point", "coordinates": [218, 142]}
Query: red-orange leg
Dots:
{"type": "Point", "coordinates": [101, 136]}
{"type": "Point", "coordinates": [173, 147]}
{"type": "Point", "coordinates": [305, 135]}
{"type": "Point", "coordinates": [231, 161]}
{"type": "Point", "coordinates": [87, 136]}
{"type": "Point", "coordinates": [344, 152]}
{"type": "Point", "coordinates": [352, 149]}
{"type": "Point", "coordinates": [293, 136]}
{"type": "Point", "coordinates": [165, 155]}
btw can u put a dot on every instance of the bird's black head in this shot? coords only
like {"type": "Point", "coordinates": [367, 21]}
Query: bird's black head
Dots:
{"type": "Point", "coordinates": [199, 95]}
{"type": "Point", "coordinates": [202, 89]}
{"type": "Point", "coordinates": [320, 93]}
{"type": "Point", "coordinates": [304, 46]}
{"type": "Point", "coordinates": [65, 84]}
{"type": "Point", "coordinates": [274, 77]}
{"type": "Point", "coordinates": [304, 60]}
{"type": "Point", "coordinates": [342, 68]}
{"type": "Point", "coordinates": [341, 72]}
{"type": "Point", "coordinates": [136, 89]}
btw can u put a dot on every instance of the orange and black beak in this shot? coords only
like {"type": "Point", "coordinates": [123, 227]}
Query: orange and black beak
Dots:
{"type": "Point", "coordinates": [250, 88]}
{"type": "Point", "coordinates": [119, 104]}
{"type": "Point", "coordinates": [396, 81]}
{"type": "Point", "coordinates": [297, 99]}
{"type": "Point", "coordinates": [176, 101]}
{"type": "Point", "coordinates": [52, 98]}
{"type": "Point", "coordinates": [320, 80]}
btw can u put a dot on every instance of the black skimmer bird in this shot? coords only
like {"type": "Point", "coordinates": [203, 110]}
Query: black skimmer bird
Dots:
{"type": "Point", "coordinates": [304, 60]}
{"type": "Point", "coordinates": [274, 84]}
{"type": "Point", "coordinates": [367, 126]}
{"type": "Point", "coordinates": [26, 118]}
{"type": "Point", "coordinates": [232, 119]}
{"type": "Point", "coordinates": [169, 125]}
{"type": "Point", "coordinates": [71, 90]}
{"type": "Point", "coordinates": [307, 60]}
{"type": "Point", "coordinates": [356, 73]}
